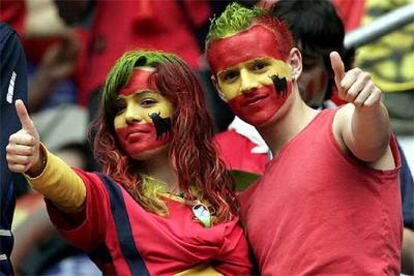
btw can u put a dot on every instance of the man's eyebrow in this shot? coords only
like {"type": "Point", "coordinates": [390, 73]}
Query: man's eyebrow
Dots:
{"type": "Point", "coordinates": [225, 71]}
{"type": "Point", "coordinates": [261, 59]}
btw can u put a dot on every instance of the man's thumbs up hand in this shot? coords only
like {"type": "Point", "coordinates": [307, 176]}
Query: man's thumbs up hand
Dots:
{"type": "Point", "coordinates": [355, 86]}
{"type": "Point", "coordinates": [23, 151]}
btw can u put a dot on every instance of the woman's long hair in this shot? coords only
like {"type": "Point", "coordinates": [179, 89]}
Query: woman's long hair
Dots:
{"type": "Point", "coordinates": [192, 153]}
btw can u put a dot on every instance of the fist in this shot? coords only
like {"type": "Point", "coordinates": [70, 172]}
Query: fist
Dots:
{"type": "Point", "coordinates": [23, 150]}
{"type": "Point", "coordinates": [354, 86]}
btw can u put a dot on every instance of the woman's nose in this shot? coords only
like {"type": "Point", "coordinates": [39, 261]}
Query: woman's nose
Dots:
{"type": "Point", "coordinates": [132, 115]}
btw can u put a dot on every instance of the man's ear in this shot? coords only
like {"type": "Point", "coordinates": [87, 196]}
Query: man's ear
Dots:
{"type": "Point", "coordinates": [221, 95]}
{"type": "Point", "coordinates": [295, 62]}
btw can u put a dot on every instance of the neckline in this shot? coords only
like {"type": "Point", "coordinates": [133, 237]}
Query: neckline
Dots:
{"type": "Point", "coordinates": [300, 133]}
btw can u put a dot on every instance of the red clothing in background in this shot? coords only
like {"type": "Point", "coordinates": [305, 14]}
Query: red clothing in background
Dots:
{"type": "Point", "coordinates": [317, 211]}
{"type": "Point", "coordinates": [351, 12]}
{"type": "Point", "coordinates": [13, 12]}
{"type": "Point", "coordinates": [235, 151]}
{"type": "Point", "coordinates": [119, 26]}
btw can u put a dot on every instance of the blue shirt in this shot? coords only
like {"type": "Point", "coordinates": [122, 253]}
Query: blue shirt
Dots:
{"type": "Point", "coordinates": [13, 84]}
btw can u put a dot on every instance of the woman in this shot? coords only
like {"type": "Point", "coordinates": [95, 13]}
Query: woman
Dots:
{"type": "Point", "coordinates": [164, 204]}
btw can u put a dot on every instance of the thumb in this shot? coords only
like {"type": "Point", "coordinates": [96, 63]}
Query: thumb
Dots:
{"type": "Point", "coordinates": [338, 67]}
{"type": "Point", "coordinates": [27, 123]}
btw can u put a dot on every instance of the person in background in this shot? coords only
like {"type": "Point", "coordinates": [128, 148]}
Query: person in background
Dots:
{"type": "Point", "coordinates": [13, 85]}
{"type": "Point", "coordinates": [165, 203]}
{"type": "Point", "coordinates": [324, 171]}
{"type": "Point", "coordinates": [52, 51]}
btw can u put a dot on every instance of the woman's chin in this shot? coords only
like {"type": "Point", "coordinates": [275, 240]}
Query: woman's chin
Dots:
{"type": "Point", "coordinates": [145, 155]}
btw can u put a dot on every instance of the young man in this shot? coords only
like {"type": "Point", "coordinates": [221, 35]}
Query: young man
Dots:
{"type": "Point", "coordinates": [317, 30]}
{"type": "Point", "coordinates": [329, 200]}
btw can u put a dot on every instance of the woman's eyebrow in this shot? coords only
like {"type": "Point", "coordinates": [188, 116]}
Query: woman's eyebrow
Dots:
{"type": "Point", "coordinates": [145, 93]}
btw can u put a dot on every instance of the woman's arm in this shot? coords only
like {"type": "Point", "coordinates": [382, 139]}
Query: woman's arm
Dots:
{"type": "Point", "coordinates": [46, 173]}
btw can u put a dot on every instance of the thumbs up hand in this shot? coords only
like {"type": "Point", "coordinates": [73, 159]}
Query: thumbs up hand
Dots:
{"type": "Point", "coordinates": [354, 86]}
{"type": "Point", "coordinates": [23, 151]}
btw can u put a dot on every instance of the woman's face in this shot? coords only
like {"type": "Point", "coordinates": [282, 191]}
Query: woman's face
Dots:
{"type": "Point", "coordinates": [138, 103]}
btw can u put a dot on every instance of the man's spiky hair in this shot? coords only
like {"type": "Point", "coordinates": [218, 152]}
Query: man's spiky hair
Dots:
{"type": "Point", "coordinates": [234, 19]}
{"type": "Point", "coordinates": [119, 75]}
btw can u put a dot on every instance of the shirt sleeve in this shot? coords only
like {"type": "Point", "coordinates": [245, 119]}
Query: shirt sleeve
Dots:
{"type": "Point", "coordinates": [85, 230]}
{"type": "Point", "coordinates": [60, 184]}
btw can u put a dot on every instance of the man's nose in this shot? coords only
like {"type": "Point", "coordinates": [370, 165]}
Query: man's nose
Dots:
{"type": "Point", "coordinates": [247, 82]}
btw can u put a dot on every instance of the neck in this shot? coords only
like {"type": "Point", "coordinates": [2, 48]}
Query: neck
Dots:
{"type": "Point", "coordinates": [161, 170]}
{"type": "Point", "coordinates": [294, 116]}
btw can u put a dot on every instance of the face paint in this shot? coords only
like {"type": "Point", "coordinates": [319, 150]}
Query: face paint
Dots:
{"type": "Point", "coordinates": [162, 125]}
{"type": "Point", "coordinates": [134, 124]}
{"type": "Point", "coordinates": [140, 138]}
{"type": "Point", "coordinates": [280, 85]}
{"type": "Point", "coordinates": [251, 74]}
{"type": "Point", "coordinates": [260, 106]}
{"type": "Point", "coordinates": [257, 41]}
{"type": "Point", "coordinates": [140, 79]}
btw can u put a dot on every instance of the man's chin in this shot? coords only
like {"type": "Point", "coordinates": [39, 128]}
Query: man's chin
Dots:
{"type": "Point", "coordinates": [256, 122]}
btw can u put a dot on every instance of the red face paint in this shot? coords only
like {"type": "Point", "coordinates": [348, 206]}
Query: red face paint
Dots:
{"type": "Point", "coordinates": [257, 41]}
{"type": "Point", "coordinates": [139, 138]}
{"type": "Point", "coordinates": [140, 79]}
{"type": "Point", "coordinates": [259, 106]}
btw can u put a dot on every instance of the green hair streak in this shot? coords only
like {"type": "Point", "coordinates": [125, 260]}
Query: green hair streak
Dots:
{"type": "Point", "coordinates": [119, 75]}
{"type": "Point", "coordinates": [234, 19]}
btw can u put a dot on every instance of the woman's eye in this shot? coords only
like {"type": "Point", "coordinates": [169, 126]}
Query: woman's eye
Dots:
{"type": "Point", "coordinates": [148, 102]}
{"type": "Point", "coordinates": [119, 108]}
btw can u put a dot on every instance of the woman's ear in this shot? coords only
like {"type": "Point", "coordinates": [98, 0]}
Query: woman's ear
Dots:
{"type": "Point", "coordinates": [215, 83]}
{"type": "Point", "coordinates": [295, 62]}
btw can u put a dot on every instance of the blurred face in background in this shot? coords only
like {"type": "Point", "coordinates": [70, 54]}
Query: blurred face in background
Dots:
{"type": "Point", "coordinates": [313, 82]}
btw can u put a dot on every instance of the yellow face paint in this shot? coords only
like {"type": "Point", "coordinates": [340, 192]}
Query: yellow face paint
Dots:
{"type": "Point", "coordinates": [138, 106]}
{"type": "Point", "coordinates": [255, 73]}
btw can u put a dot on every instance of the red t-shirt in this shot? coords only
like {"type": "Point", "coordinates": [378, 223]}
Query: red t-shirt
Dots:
{"type": "Point", "coordinates": [317, 211]}
{"type": "Point", "coordinates": [167, 245]}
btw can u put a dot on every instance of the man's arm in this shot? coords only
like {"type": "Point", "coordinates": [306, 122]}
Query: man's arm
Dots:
{"type": "Point", "coordinates": [362, 127]}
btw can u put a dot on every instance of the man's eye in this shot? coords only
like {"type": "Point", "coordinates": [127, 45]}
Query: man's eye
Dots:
{"type": "Point", "coordinates": [148, 102]}
{"type": "Point", "coordinates": [230, 76]}
{"type": "Point", "coordinates": [259, 66]}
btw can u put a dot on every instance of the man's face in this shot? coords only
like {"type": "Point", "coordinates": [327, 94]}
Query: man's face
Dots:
{"type": "Point", "coordinates": [133, 125]}
{"type": "Point", "coordinates": [243, 65]}
{"type": "Point", "coordinates": [313, 81]}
